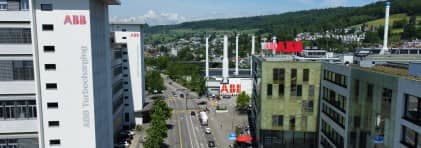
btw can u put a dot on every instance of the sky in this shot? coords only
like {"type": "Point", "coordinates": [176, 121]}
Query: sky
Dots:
{"type": "Point", "coordinates": [164, 12]}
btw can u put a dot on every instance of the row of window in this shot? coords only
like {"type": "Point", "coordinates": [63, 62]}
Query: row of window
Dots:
{"type": "Point", "coordinates": [16, 70]}
{"type": "Point", "coordinates": [278, 121]}
{"type": "Point", "coordinates": [335, 78]}
{"type": "Point", "coordinates": [295, 90]}
{"type": "Point", "coordinates": [333, 136]}
{"type": "Point", "coordinates": [288, 137]}
{"type": "Point", "coordinates": [336, 117]}
{"type": "Point", "coordinates": [279, 75]}
{"type": "Point", "coordinates": [15, 36]}
{"type": "Point", "coordinates": [19, 143]}
{"type": "Point", "coordinates": [18, 110]}
{"type": "Point", "coordinates": [325, 143]}
{"type": "Point", "coordinates": [14, 5]}
{"type": "Point", "coordinates": [334, 99]}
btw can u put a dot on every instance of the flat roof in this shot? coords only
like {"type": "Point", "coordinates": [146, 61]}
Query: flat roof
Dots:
{"type": "Point", "coordinates": [111, 2]}
{"type": "Point", "coordinates": [399, 72]}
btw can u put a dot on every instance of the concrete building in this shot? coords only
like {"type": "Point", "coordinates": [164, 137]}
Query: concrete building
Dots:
{"type": "Point", "coordinates": [18, 107]}
{"type": "Point", "coordinates": [285, 101]}
{"type": "Point", "coordinates": [72, 64]}
{"type": "Point", "coordinates": [374, 103]}
{"type": "Point", "coordinates": [128, 75]}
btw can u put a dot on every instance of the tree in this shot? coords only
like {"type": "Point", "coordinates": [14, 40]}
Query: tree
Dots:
{"type": "Point", "coordinates": [243, 101]}
{"type": "Point", "coordinates": [154, 81]}
{"type": "Point", "coordinates": [158, 130]}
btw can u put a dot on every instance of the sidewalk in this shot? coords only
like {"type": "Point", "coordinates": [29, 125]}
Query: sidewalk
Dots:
{"type": "Point", "coordinates": [137, 139]}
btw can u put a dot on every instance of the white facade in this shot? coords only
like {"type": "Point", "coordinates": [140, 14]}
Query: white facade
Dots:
{"type": "Point", "coordinates": [73, 70]}
{"type": "Point", "coordinates": [131, 36]}
{"type": "Point", "coordinates": [18, 116]}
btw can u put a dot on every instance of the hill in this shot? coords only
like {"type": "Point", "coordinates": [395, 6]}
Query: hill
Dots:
{"type": "Point", "coordinates": [288, 24]}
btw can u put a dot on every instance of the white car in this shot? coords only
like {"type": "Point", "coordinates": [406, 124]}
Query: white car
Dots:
{"type": "Point", "coordinates": [208, 130]}
{"type": "Point", "coordinates": [122, 144]}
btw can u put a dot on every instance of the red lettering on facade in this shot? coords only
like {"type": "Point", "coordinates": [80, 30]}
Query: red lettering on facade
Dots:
{"type": "Point", "coordinates": [224, 88]}
{"type": "Point", "coordinates": [238, 88]}
{"type": "Point", "coordinates": [67, 20]}
{"type": "Point", "coordinates": [75, 20]}
{"type": "Point", "coordinates": [231, 88]}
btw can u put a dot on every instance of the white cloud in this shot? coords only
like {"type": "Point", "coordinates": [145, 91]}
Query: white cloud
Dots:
{"type": "Point", "coordinates": [152, 18]}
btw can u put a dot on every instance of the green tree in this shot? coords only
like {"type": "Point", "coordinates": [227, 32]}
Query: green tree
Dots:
{"type": "Point", "coordinates": [154, 81]}
{"type": "Point", "coordinates": [243, 101]}
{"type": "Point", "coordinates": [410, 30]}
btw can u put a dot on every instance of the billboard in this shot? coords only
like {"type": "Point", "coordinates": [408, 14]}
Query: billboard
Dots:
{"type": "Point", "coordinates": [284, 47]}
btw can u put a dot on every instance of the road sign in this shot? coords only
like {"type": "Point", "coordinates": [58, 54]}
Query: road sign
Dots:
{"type": "Point", "coordinates": [378, 139]}
{"type": "Point", "coordinates": [232, 136]}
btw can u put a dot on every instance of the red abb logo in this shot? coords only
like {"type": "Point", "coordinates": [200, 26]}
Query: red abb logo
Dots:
{"type": "Point", "coordinates": [135, 35]}
{"type": "Point", "coordinates": [75, 20]}
{"type": "Point", "coordinates": [230, 88]}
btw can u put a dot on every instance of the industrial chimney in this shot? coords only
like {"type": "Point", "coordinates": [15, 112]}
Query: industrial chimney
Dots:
{"type": "Point", "coordinates": [225, 66]}
{"type": "Point", "coordinates": [386, 29]}
{"type": "Point", "coordinates": [274, 45]}
{"type": "Point", "coordinates": [207, 57]}
{"type": "Point", "coordinates": [236, 54]}
{"type": "Point", "coordinates": [252, 53]}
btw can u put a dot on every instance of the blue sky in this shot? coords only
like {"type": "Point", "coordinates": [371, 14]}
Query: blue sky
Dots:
{"type": "Point", "coordinates": [162, 12]}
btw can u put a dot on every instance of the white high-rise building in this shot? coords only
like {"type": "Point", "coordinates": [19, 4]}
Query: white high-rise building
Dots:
{"type": "Point", "coordinates": [73, 80]}
{"type": "Point", "coordinates": [18, 110]}
{"type": "Point", "coordinates": [127, 43]}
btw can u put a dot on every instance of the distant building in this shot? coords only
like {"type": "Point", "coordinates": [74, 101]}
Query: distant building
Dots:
{"type": "Point", "coordinates": [374, 103]}
{"type": "Point", "coordinates": [128, 71]}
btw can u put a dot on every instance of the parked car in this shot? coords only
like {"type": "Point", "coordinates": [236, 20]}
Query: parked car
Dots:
{"type": "Point", "coordinates": [207, 130]}
{"type": "Point", "coordinates": [122, 144]}
{"type": "Point", "coordinates": [193, 113]}
{"type": "Point", "coordinates": [211, 144]}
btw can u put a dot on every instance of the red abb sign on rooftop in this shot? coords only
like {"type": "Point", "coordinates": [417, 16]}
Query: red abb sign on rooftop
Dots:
{"type": "Point", "coordinates": [284, 47]}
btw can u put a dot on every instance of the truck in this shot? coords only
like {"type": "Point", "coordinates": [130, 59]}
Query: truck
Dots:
{"type": "Point", "coordinates": [203, 118]}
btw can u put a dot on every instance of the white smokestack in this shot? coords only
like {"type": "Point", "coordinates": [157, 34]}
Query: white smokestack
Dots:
{"type": "Point", "coordinates": [274, 45]}
{"type": "Point", "coordinates": [253, 46]}
{"type": "Point", "coordinates": [252, 53]}
{"type": "Point", "coordinates": [225, 66]}
{"type": "Point", "coordinates": [236, 54]}
{"type": "Point", "coordinates": [207, 57]}
{"type": "Point", "coordinates": [386, 29]}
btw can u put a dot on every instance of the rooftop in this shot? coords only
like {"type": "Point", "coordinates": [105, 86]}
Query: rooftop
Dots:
{"type": "Point", "coordinates": [399, 72]}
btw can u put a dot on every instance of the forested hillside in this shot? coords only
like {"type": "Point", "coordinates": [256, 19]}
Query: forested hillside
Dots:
{"type": "Point", "coordinates": [288, 24]}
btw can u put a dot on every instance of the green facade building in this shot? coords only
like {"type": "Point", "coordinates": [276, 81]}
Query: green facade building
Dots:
{"type": "Point", "coordinates": [285, 102]}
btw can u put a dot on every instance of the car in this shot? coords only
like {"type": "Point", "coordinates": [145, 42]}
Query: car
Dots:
{"type": "Point", "coordinates": [170, 83]}
{"type": "Point", "coordinates": [207, 130]}
{"type": "Point", "coordinates": [122, 144]}
{"type": "Point", "coordinates": [211, 144]}
{"type": "Point", "coordinates": [181, 96]}
{"type": "Point", "coordinates": [174, 94]}
{"type": "Point", "coordinates": [193, 113]}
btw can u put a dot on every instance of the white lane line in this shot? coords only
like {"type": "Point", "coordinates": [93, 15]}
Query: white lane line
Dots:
{"type": "Point", "coordinates": [193, 131]}
{"type": "Point", "coordinates": [188, 132]}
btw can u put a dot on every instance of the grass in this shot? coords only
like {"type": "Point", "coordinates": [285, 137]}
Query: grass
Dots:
{"type": "Point", "coordinates": [394, 17]}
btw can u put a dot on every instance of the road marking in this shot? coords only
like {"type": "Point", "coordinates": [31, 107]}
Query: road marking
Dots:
{"type": "Point", "coordinates": [194, 132]}
{"type": "Point", "coordinates": [188, 132]}
{"type": "Point", "coordinates": [179, 134]}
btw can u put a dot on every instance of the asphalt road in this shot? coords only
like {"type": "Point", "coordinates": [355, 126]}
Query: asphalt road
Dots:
{"type": "Point", "coordinates": [185, 130]}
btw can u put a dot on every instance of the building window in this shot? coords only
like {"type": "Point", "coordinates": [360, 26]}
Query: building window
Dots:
{"type": "Point", "coordinates": [370, 90]}
{"type": "Point", "coordinates": [275, 75]}
{"type": "Point", "coordinates": [332, 114]}
{"type": "Point", "coordinates": [333, 136]}
{"type": "Point", "coordinates": [47, 27]}
{"type": "Point", "coordinates": [46, 7]}
{"type": "Point", "coordinates": [124, 30]}
{"type": "Point", "coordinates": [124, 37]}
{"type": "Point", "coordinates": [53, 123]}
{"type": "Point", "coordinates": [51, 85]}
{"type": "Point", "coordinates": [50, 66]}
{"type": "Point", "coordinates": [306, 75]}
{"type": "Point", "coordinates": [277, 120]}
{"type": "Point", "coordinates": [412, 108]}
{"type": "Point", "coordinates": [311, 91]}
{"type": "Point", "coordinates": [49, 49]}
{"type": "Point", "coordinates": [292, 122]}
{"type": "Point", "coordinates": [299, 90]}
{"type": "Point", "coordinates": [334, 99]}
{"type": "Point", "coordinates": [52, 105]}
{"type": "Point", "coordinates": [124, 60]}
{"type": "Point", "coordinates": [269, 90]}
{"type": "Point", "coordinates": [357, 88]}
{"type": "Point", "coordinates": [308, 105]}
{"type": "Point", "coordinates": [281, 90]}
{"type": "Point", "coordinates": [127, 117]}
{"type": "Point", "coordinates": [55, 142]}
{"type": "Point", "coordinates": [410, 138]}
